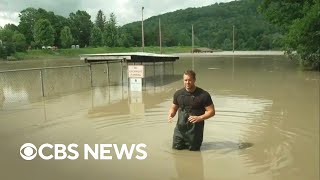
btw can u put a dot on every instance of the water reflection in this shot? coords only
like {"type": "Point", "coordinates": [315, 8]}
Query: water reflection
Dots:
{"type": "Point", "coordinates": [11, 95]}
{"type": "Point", "coordinates": [189, 166]}
{"type": "Point", "coordinates": [133, 102]}
{"type": "Point", "coordinates": [19, 87]}
{"type": "Point", "coordinates": [2, 97]}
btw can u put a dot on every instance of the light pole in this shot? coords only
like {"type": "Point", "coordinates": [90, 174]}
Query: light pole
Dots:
{"type": "Point", "coordinates": [192, 49]}
{"type": "Point", "coordinates": [233, 38]}
{"type": "Point", "coordinates": [160, 36]}
{"type": "Point", "coordinates": [142, 33]}
{"type": "Point", "coordinates": [192, 38]}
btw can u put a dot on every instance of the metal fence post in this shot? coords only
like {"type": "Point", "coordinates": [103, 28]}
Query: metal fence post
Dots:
{"type": "Point", "coordinates": [108, 73]}
{"type": "Point", "coordinates": [90, 71]}
{"type": "Point", "coordinates": [173, 68]}
{"type": "Point", "coordinates": [121, 66]}
{"type": "Point", "coordinates": [42, 84]}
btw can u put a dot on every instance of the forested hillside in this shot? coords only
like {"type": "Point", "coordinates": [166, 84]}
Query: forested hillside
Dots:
{"type": "Point", "coordinates": [213, 27]}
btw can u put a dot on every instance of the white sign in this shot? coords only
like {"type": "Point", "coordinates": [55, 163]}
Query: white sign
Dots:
{"type": "Point", "coordinates": [135, 71]}
{"type": "Point", "coordinates": [135, 84]}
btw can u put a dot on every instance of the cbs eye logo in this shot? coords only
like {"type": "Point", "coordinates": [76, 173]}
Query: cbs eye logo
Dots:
{"type": "Point", "coordinates": [28, 151]}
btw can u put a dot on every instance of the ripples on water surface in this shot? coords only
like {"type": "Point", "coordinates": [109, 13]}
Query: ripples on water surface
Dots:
{"type": "Point", "coordinates": [266, 125]}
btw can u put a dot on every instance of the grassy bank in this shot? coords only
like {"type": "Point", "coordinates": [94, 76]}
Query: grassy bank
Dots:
{"type": "Point", "coordinates": [69, 53]}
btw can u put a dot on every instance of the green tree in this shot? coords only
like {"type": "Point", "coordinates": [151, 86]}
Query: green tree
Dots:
{"type": "Point", "coordinates": [20, 41]}
{"type": "Point", "coordinates": [227, 44]}
{"type": "Point", "coordinates": [301, 22]}
{"type": "Point", "coordinates": [6, 34]}
{"type": "Point", "coordinates": [168, 37]}
{"type": "Point", "coordinates": [100, 20]}
{"type": "Point", "coordinates": [133, 35]}
{"type": "Point", "coordinates": [12, 27]}
{"type": "Point", "coordinates": [66, 37]}
{"type": "Point", "coordinates": [3, 52]}
{"type": "Point", "coordinates": [9, 47]}
{"type": "Point", "coordinates": [111, 32]}
{"type": "Point", "coordinates": [44, 33]}
{"type": "Point", "coordinates": [265, 42]}
{"type": "Point", "coordinates": [252, 43]}
{"type": "Point", "coordinates": [277, 41]}
{"type": "Point", "coordinates": [28, 18]}
{"type": "Point", "coordinates": [58, 24]}
{"type": "Point", "coordinates": [96, 37]}
{"type": "Point", "coordinates": [184, 38]}
{"type": "Point", "coordinates": [81, 26]}
{"type": "Point", "coordinates": [124, 39]}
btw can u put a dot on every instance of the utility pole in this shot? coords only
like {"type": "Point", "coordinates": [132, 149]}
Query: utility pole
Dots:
{"type": "Point", "coordinates": [233, 38]}
{"type": "Point", "coordinates": [142, 33]}
{"type": "Point", "coordinates": [192, 39]}
{"type": "Point", "coordinates": [160, 36]}
{"type": "Point", "coordinates": [192, 48]}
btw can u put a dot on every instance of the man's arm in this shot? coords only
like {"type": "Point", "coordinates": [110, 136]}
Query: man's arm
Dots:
{"type": "Point", "coordinates": [209, 112]}
{"type": "Point", "coordinates": [172, 112]}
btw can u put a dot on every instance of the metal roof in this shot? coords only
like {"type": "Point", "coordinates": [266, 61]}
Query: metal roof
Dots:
{"type": "Point", "coordinates": [129, 56]}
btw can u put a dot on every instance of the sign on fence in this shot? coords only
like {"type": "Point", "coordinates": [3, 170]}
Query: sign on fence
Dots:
{"type": "Point", "coordinates": [135, 84]}
{"type": "Point", "coordinates": [135, 71]}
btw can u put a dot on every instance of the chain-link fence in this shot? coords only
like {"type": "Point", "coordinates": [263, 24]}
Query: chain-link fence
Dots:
{"type": "Point", "coordinates": [27, 85]}
{"type": "Point", "coordinates": [30, 85]}
{"type": "Point", "coordinates": [20, 86]}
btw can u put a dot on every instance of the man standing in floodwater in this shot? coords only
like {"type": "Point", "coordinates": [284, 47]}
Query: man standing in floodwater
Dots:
{"type": "Point", "coordinates": [195, 105]}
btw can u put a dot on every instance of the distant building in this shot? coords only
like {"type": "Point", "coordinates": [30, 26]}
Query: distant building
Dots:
{"type": "Point", "coordinates": [202, 50]}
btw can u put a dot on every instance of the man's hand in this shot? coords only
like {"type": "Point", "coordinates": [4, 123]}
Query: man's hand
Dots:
{"type": "Point", "coordinates": [170, 117]}
{"type": "Point", "coordinates": [172, 112]}
{"type": "Point", "coordinates": [210, 111]}
{"type": "Point", "coordinates": [194, 119]}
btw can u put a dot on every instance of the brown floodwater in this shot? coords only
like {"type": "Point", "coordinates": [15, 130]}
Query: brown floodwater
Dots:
{"type": "Point", "coordinates": [266, 124]}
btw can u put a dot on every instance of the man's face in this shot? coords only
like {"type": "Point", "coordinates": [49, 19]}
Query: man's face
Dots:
{"type": "Point", "coordinates": [189, 82]}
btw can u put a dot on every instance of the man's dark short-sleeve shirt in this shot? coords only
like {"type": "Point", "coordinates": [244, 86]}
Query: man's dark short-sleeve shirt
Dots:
{"type": "Point", "coordinates": [194, 102]}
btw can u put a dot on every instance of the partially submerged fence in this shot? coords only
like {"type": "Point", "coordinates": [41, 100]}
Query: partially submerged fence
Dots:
{"type": "Point", "coordinates": [28, 84]}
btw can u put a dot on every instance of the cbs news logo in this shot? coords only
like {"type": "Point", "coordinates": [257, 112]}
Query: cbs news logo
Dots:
{"type": "Point", "coordinates": [29, 151]}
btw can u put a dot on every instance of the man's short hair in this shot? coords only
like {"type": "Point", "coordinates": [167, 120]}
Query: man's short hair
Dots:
{"type": "Point", "coordinates": [190, 73]}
